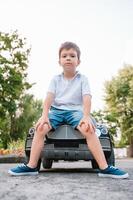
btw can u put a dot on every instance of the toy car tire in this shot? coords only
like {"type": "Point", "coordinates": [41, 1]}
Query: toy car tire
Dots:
{"type": "Point", "coordinates": [94, 164]}
{"type": "Point", "coordinates": [47, 163]}
{"type": "Point", "coordinates": [111, 159]}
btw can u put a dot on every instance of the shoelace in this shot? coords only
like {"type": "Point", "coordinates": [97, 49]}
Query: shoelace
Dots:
{"type": "Point", "coordinates": [112, 167]}
{"type": "Point", "coordinates": [21, 165]}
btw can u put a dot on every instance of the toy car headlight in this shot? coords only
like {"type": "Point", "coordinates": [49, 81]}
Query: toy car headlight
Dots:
{"type": "Point", "coordinates": [31, 132]}
{"type": "Point", "coordinates": [98, 132]}
{"type": "Point", "coordinates": [104, 130]}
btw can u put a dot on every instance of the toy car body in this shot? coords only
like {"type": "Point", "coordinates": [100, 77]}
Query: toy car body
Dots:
{"type": "Point", "coordinates": [68, 144]}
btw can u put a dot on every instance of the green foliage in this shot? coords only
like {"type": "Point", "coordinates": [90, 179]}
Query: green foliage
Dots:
{"type": "Point", "coordinates": [15, 145]}
{"type": "Point", "coordinates": [4, 131]}
{"type": "Point", "coordinates": [119, 101]}
{"type": "Point", "coordinates": [26, 116]}
{"type": "Point", "coordinates": [13, 65]}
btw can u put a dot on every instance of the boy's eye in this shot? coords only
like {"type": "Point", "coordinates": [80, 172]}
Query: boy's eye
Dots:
{"type": "Point", "coordinates": [63, 56]}
{"type": "Point", "coordinates": [71, 55]}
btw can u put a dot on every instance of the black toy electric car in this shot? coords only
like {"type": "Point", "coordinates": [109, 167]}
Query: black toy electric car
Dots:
{"type": "Point", "coordinates": [68, 144]}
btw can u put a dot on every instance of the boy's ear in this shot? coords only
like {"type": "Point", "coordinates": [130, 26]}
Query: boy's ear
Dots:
{"type": "Point", "coordinates": [59, 62]}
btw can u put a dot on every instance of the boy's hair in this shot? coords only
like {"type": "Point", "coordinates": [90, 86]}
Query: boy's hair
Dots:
{"type": "Point", "coordinates": [70, 45]}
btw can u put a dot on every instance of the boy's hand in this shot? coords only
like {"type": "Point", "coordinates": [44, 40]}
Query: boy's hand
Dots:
{"type": "Point", "coordinates": [88, 124]}
{"type": "Point", "coordinates": [42, 120]}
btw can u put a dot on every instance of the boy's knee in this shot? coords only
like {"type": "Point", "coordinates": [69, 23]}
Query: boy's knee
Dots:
{"type": "Point", "coordinates": [43, 129]}
{"type": "Point", "coordinates": [85, 132]}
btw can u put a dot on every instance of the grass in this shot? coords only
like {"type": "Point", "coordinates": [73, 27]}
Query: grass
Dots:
{"type": "Point", "coordinates": [15, 147]}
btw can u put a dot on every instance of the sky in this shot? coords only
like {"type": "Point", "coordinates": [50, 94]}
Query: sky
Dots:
{"type": "Point", "coordinates": [103, 29]}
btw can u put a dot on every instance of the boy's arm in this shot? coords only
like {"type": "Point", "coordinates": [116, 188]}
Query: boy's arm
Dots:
{"type": "Point", "coordinates": [86, 113]}
{"type": "Point", "coordinates": [46, 106]}
{"type": "Point", "coordinates": [86, 105]}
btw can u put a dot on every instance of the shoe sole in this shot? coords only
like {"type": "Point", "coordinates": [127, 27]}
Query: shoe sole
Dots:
{"type": "Point", "coordinates": [113, 176]}
{"type": "Point", "coordinates": [22, 174]}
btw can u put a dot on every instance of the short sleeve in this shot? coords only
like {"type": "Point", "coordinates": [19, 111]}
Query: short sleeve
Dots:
{"type": "Point", "coordinates": [85, 86]}
{"type": "Point", "coordinates": [52, 86]}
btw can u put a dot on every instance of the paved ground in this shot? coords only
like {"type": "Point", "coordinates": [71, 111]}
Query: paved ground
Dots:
{"type": "Point", "coordinates": [66, 181]}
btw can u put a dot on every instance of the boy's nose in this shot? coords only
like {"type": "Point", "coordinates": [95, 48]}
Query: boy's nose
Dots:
{"type": "Point", "coordinates": [68, 58]}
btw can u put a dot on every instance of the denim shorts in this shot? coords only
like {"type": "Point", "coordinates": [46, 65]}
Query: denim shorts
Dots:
{"type": "Point", "coordinates": [58, 117]}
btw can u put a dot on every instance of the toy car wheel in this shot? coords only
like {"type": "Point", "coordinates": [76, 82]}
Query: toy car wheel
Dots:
{"type": "Point", "coordinates": [94, 164]}
{"type": "Point", "coordinates": [47, 163]}
{"type": "Point", "coordinates": [39, 164]}
{"type": "Point", "coordinates": [111, 159]}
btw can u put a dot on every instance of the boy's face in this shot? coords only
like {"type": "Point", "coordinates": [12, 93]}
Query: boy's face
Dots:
{"type": "Point", "coordinates": [69, 60]}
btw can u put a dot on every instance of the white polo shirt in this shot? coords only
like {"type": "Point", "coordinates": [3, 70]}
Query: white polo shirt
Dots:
{"type": "Point", "coordinates": [69, 93]}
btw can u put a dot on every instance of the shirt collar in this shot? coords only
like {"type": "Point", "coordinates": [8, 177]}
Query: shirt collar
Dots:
{"type": "Point", "coordinates": [76, 74]}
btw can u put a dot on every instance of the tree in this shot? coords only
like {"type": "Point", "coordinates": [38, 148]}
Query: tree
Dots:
{"type": "Point", "coordinates": [29, 112]}
{"type": "Point", "coordinates": [119, 101]}
{"type": "Point", "coordinates": [13, 65]}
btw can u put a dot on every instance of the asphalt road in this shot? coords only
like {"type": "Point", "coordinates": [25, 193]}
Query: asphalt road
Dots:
{"type": "Point", "coordinates": [66, 181]}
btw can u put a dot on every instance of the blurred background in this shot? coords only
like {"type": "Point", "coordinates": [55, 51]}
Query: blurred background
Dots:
{"type": "Point", "coordinates": [31, 34]}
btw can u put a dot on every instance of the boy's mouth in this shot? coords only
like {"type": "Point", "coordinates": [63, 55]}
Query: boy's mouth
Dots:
{"type": "Point", "coordinates": [68, 63]}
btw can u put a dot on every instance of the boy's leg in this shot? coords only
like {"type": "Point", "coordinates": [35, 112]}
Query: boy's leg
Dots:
{"type": "Point", "coordinates": [96, 149]}
{"type": "Point", "coordinates": [73, 118]}
{"type": "Point", "coordinates": [36, 148]}
{"type": "Point", "coordinates": [37, 145]}
{"type": "Point", "coordinates": [95, 146]}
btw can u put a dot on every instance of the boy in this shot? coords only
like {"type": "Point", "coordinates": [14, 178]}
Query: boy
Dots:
{"type": "Point", "coordinates": [68, 100]}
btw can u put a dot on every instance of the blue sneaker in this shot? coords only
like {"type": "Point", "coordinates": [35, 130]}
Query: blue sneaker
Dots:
{"type": "Point", "coordinates": [113, 172]}
{"type": "Point", "coordinates": [23, 169]}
